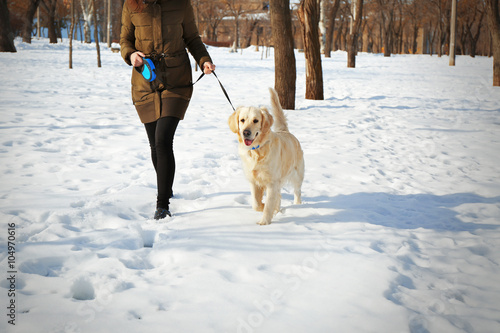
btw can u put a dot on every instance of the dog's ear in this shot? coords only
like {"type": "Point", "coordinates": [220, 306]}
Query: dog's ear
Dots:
{"type": "Point", "coordinates": [233, 121]}
{"type": "Point", "coordinates": [267, 119]}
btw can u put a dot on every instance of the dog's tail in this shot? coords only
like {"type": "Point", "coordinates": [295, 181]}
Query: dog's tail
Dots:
{"type": "Point", "coordinates": [280, 122]}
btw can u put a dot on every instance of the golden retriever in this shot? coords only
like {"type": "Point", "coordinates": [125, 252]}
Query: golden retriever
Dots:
{"type": "Point", "coordinates": [271, 159]}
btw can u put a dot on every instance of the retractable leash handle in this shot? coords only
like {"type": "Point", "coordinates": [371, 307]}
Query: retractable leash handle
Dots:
{"type": "Point", "coordinates": [147, 69]}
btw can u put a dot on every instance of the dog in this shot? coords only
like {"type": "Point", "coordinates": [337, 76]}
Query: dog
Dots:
{"type": "Point", "coordinates": [271, 159]}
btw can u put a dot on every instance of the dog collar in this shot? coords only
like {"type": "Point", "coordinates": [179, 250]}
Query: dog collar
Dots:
{"type": "Point", "coordinates": [253, 148]}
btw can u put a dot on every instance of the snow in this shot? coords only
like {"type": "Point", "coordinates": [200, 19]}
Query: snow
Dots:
{"type": "Point", "coordinates": [399, 230]}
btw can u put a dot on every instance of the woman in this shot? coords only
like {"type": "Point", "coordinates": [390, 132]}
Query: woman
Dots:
{"type": "Point", "coordinates": [162, 30]}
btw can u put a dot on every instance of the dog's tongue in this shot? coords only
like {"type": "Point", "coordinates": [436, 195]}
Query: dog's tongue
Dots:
{"type": "Point", "coordinates": [248, 142]}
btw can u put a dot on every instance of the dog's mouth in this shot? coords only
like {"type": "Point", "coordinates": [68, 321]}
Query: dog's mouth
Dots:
{"type": "Point", "coordinates": [249, 142]}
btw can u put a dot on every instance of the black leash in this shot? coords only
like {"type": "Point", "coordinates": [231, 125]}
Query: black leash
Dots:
{"type": "Point", "coordinates": [148, 71]}
{"type": "Point", "coordinates": [222, 87]}
{"type": "Point", "coordinates": [224, 91]}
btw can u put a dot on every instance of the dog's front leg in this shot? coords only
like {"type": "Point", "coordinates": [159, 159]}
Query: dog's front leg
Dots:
{"type": "Point", "coordinates": [257, 194]}
{"type": "Point", "coordinates": [272, 203]}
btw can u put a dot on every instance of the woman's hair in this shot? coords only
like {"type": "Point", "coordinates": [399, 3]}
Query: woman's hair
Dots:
{"type": "Point", "coordinates": [136, 5]}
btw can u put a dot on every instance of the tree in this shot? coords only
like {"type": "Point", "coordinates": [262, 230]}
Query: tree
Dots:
{"type": "Point", "coordinates": [398, 27]}
{"type": "Point", "coordinates": [237, 10]}
{"type": "Point", "coordinates": [473, 18]}
{"type": "Point", "coordinates": [453, 36]}
{"type": "Point", "coordinates": [50, 7]}
{"type": "Point", "coordinates": [330, 27]}
{"type": "Point", "coordinates": [6, 36]}
{"type": "Point", "coordinates": [28, 20]}
{"type": "Point", "coordinates": [252, 26]}
{"type": "Point", "coordinates": [352, 43]}
{"type": "Point", "coordinates": [342, 30]}
{"type": "Point", "coordinates": [211, 13]}
{"type": "Point", "coordinates": [108, 25]}
{"type": "Point", "coordinates": [96, 36]}
{"type": "Point", "coordinates": [309, 16]}
{"type": "Point", "coordinates": [386, 9]}
{"type": "Point", "coordinates": [415, 13]}
{"type": "Point", "coordinates": [493, 9]}
{"type": "Point", "coordinates": [284, 57]}
{"type": "Point", "coordinates": [116, 14]}
{"type": "Point", "coordinates": [442, 12]}
{"type": "Point", "coordinates": [321, 24]}
{"type": "Point", "coordinates": [87, 10]}
{"type": "Point", "coordinates": [72, 29]}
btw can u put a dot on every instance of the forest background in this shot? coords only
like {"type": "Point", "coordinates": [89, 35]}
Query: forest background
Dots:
{"type": "Point", "coordinates": [388, 26]}
{"type": "Point", "coordinates": [314, 26]}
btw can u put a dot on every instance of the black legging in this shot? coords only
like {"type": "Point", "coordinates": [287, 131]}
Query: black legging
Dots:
{"type": "Point", "coordinates": [161, 139]}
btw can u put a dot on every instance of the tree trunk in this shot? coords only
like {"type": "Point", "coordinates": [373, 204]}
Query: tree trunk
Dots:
{"type": "Point", "coordinates": [352, 43]}
{"type": "Point", "coordinates": [309, 16]}
{"type": "Point", "coordinates": [474, 38]}
{"type": "Point", "coordinates": [453, 36]}
{"type": "Point", "coordinates": [494, 24]}
{"type": "Point", "coordinates": [117, 14]}
{"type": "Point", "coordinates": [415, 39]}
{"type": "Point", "coordinates": [253, 27]}
{"type": "Point", "coordinates": [440, 40]}
{"type": "Point", "coordinates": [237, 31]}
{"type": "Point", "coordinates": [462, 39]}
{"type": "Point", "coordinates": [72, 29]}
{"type": "Point", "coordinates": [432, 37]}
{"type": "Point", "coordinates": [28, 20]}
{"type": "Point", "coordinates": [108, 25]}
{"type": "Point", "coordinates": [338, 39]}
{"type": "Point", "coordinates": [6, 36]}
{"type": "Point", "coordinates": [388, 38]}
{"type": "Point", "coordinates": [52, 29]}
{"type": "Point", "coordinates": [331, 27]}
{"type": "Point", "coordinates": [386, 25]}
{"type": "Point", "coordinates": [50, 7]}
{"type": "Point", "coordinates": [321, 25]}
{"type": "Point", "coordinates": [96, 34]}
{"type": "Point", "coordinates": [284, 57]}
{"type": "Point", "coordinates": [87, 9]}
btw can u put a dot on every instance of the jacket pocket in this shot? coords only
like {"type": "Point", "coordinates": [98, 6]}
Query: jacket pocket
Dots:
{"type": "Point", "coordinates": [140, 88]}
{"type": "Point", "coordinates": [178, 71]}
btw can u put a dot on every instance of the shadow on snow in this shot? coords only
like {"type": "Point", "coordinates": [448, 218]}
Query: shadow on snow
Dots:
{"type": "Point", "coordinates": [412, 211]}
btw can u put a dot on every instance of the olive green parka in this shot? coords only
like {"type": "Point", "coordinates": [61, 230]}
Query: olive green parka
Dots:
{"type": "Point", "coordinates": [162, 30]}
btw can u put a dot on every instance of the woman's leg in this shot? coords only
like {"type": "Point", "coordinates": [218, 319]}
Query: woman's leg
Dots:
{"type": "Point", "coordinates": [151, 131]}
{"type": "Point", "coordinates": [161, 138]}
{"type": "Point", "coordinates": [165, 160]}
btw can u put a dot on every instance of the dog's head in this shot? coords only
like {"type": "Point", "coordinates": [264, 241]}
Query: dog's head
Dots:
{"type": "Point", "coordinates": [251, 124]}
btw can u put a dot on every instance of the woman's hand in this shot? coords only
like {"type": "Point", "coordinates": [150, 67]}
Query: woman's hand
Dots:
{"type": "Point", "coordinates": [136, 58]}
{"type": "Point", "coordinates": [208, 67]}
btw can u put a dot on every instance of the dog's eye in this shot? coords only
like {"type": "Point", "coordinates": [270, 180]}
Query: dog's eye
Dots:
{"type": "Point", "coordinates": [255, 121]}
{"type": "Point", "coordinates": [242, 121]}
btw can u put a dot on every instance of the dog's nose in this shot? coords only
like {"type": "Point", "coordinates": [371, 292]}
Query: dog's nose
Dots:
{"type": "Point", "coordinates": [247, 133]}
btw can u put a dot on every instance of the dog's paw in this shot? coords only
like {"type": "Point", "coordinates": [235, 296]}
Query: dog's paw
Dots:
{"type": "Point", "coordinates": [263, 222]}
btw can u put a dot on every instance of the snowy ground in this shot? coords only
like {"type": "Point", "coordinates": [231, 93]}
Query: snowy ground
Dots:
{"type": "Point", "coordinates": [399, 231]}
